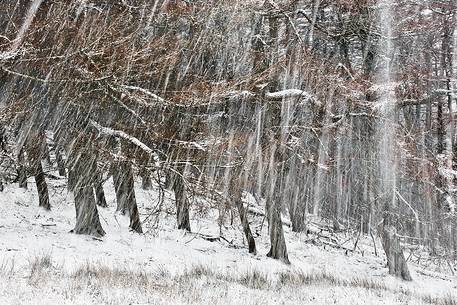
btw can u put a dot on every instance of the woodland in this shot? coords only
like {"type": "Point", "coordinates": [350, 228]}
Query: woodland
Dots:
{"type": "Point", "coordinates": [341, 110]}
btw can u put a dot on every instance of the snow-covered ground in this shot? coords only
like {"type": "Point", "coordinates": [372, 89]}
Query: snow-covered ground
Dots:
{"type": "Point", "coordinates": [42, 263]}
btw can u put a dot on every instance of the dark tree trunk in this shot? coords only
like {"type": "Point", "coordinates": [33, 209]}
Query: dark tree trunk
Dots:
{"type": "Point", "coordinates": [278, 249]}
{"type": "Point", "coordinates": [297, 210]}
{"type": "Point", "coordinates": [42, 187]}
{"type": "Point", "coordinates": [258, 49]}
{"type": "Point", "coordinates": [396, 261]}
{"type": "Point", "coordinates": [40, 181]}
{"type": "Point", "coordinates": [87, 218]}
{"type": "Point", "coordinates": [60, 162]}
{"type": "Point", "coordinates": [244, 222]}
{"type": "Point", "coordinates": [2, 148]}
{"type": "Point", "coordinates": [125, 194]}
{"type": "Point", "coordinates": [299, 219]}
{"type": "Point", "coordinates": [168, 184]}
{"type": "Point", "coordinates": [22, 170]}
{"type": "Point", "coordinates": [45, 155]}
{"type": "Point", "coordinates": [72, 178]}
{"type": "Point", "coordinates": [454, 237]}
{"type": "Point", "coordinates": [99, 192]}
{"type": "Point", "coordinates": [182, 200]}
{"type": "Point", "coordinates": [146, 182]}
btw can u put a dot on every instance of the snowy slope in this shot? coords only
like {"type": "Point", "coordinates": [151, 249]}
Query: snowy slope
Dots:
{"type": "Point", "coordinates": [28, 232]}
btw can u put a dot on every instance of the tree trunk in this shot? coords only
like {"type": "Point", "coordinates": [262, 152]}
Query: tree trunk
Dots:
{"type": "Point", "coordinates": [274, 196]}
{"type": "Point", "coordinates": [72, 178]}
{"type": "Point", "coordinates": [454, 236]}
{"type": "Point", "coordinates": [125, 194]}
{"type": "Point", "coordinates": [42, 187]}
{"type": "Point", "coordinates": [258, 49]}
{"type": "Point", "coordinates": [396, 261]}
{"type": "Point", "coordinates": [99, 192]}
{"type": "Point", "coordinates": [60, 162]}
{"type": "Point", "coordinates": [278, 249]}
{"type": "Point", "coordinates": [339, 187]}
{"type": "Point", "coordinates": [182, 200]}
{"type": "Point", "coordinates": [40, 181]}
{"type": "Point", "coordinates": [244, 222]}
{"type": "Point", "coordinates": [146, 182]}
{"type": "Point", "coordinates": [87, 218]}
{"type": "Point", "coordinates": [297, 210]}
{"type": "Point", "coordinates": [22, 170]}
{"type": "Point", "coordinates": [45, 154]}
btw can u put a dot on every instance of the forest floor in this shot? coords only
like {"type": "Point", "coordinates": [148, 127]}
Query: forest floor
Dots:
{"type": "Point", "coordinates": [42, 263]}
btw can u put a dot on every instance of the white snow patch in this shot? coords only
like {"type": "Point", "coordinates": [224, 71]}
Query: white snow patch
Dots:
{"type": "Point", "coordinates": [27, 231]}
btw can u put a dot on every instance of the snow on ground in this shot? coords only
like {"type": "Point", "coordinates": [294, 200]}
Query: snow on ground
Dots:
{"type": "Point", "coordinates": [27, 232]}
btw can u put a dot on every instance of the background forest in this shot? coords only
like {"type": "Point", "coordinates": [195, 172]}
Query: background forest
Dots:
{"type": "Point", "coordinates": [341, 111]}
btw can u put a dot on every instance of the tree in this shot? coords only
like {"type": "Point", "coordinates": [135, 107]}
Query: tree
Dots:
{"type": "Point", "coordinates": [99, 192]}
{"type": "Point", "coordinates": [181, 198]}
{"type": "Point", "coordinates": [285, 94]}
{"type": "Point", "coordinates": [125, 193]}
{"type": "Point", "coordinates": [82, 167]}
{"type": "Point", "coordinates": [37, 168]}
{"type": "Point", "coordinates": [278, 249]}
{"type": "Point", "coordinates": [22, 170]}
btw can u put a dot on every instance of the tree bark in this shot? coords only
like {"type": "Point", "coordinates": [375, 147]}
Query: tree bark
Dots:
{"type": "Point", "coordinates": [278, 249]}
{"type": "Point", "coordinates": [99, 192]}
{"type": "Point", "coordinates": [297, 211]}
{"type": "Point", "coordinates": [45, 154]}
{"type": "Point", "coordinates": [125, 194]}
{"type": "Point", "coordinates": [22, 170]}
{"type": "Point", "coordinates": [244, 222]}
{"type": "Point", "coordinates": [182, 200]}
{"type": "Point", "coordinates": [42, 186]}
{"type": "Point", "coordinates": [396, 261]}
{"type": "Point", "coordinates": [60, 162]}
{"type": "Point", "coordinates": [35, 162]}
{"type": "Point", "coordinates": [87, 218]}
{"type": "Point", "coordinates": [146, 182]}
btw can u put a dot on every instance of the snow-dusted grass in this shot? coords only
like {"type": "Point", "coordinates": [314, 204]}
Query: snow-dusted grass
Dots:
{"type": "Point", "coordinates": [42, 263]}
{"type": "Point", "coordinates": [95, 283]}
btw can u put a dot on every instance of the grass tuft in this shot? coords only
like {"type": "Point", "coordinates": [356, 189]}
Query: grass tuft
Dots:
{"type": "Point", "coordinates": [7, 267]}
{"type": "Point", "coordinates": [114, 277]}
{"type": "Point", "coordinates": [254, 279]}
{"type": "Point", "coordinates": [39, 266]}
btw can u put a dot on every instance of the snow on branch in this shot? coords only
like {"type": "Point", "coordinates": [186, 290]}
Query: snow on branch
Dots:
{"type": "Point", "coordinates": [123, 135]}
{"type": "Point", "coordinates": [146, 92]}
{"type": "Point", "coordinates": [289, 93]}
{"type": "Point", "coordinates": [234, 95]}
{"type": "Point", "coordinates": [135, 141]}
{"type": "Point", "coordinates": [8, 54]}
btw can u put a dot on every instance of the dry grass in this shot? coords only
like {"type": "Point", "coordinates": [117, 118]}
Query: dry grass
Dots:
{"type": "Point", "coordinates": [99, 277]}
{"type": "Point", "coordinates": [7, 268]}
{"type": "Point", "coordinates": [39, 267]}
{"type": "Point", "coordinates": [447, 300]}
{"type": "Point", "coordinates": [298, 277]}
{"type": "Point", "coordinates": [111, 277]}
{"type": "Point", "coordinates": [190, 285]}
{"type": "Point", "coordinates": [254, 279]}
